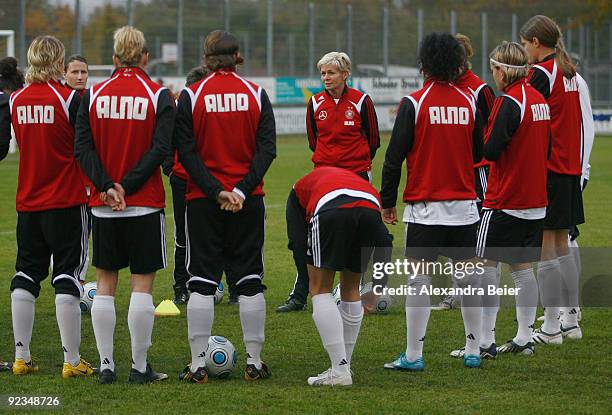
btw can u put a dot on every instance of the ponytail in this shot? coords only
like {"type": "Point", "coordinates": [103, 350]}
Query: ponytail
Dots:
{"type": "Point", "coordinates": [564, 62]}
{"type": "Point", "coordinates": [548, 32]}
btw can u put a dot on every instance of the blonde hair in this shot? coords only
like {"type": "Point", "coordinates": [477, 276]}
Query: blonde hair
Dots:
{"type": "Point", "coordinates": [129, 45]}
{"type": "Point", "coordinates": [466, 44]}
{"type": "Point", "coordinates": [340, 59]}
{"type": "Point", "coordinates": [510, 58]}
{"type": "Point", "coordinates": [45, 60]}
{"type": "Point", "coordinates": [548, 33]}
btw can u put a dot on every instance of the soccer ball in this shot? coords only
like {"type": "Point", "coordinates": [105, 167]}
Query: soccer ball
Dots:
{"type": "Point", "coordinates": [336, 294]}
{"type": "Point", "coordinates": [383, 304]}
{"type": "Point", "coordinates": [220, 358]}
{"type": "Point", "coordinates": [89, 292]}
{"type": "Point", "coordinates": [219, 293]}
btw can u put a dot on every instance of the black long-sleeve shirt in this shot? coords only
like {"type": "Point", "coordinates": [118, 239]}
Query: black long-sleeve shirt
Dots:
{"type": "Point", "coordinates": [505, 124]}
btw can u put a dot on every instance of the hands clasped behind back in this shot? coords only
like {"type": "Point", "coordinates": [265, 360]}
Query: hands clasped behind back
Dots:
{"type": "Point", "coordinates": [114, 197]}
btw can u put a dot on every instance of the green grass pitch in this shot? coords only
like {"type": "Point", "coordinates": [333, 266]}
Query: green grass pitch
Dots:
{"type": "Point", "coordinates": [573, 378]}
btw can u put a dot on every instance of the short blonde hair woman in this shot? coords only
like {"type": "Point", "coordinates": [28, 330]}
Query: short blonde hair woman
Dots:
{"type": "Point", "coordinates": [129, 47]}
{"type": "Point", "coordinates": [124, 131]}
{"type": "Point", "coordinates": [342, 130]}
{"type": "Point", "coordinates": [339, 59]}
{"type": "Point", "coordinates": [356, 119]}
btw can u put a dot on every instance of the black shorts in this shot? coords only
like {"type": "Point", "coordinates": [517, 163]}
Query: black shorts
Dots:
{"type": "Point", "coordinates": [343, 238]}
{"type": "Point", "coordinates": [428, 242]}
{"type": "Point", "coordinates": [506, 238]}
{"type": "Point", "coordinates": [564, 208]}
{"type": "Point", "coordinates": [481, 175]}
{"type": "Point", "coordinates": [138, 242]}
{"type": "Point", "coordinates": [219, 241]}
{"type": "Point", "coordinates": [58, 232]}
{"type": "Point", "coordinates": [179, 188]}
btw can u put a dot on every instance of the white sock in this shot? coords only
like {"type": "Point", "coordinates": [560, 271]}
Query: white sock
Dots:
{"type": "Point", "coordinates": [564, 301]}
{"type": "Point", "coordinates": [68, 315]}
{"type": "Point", "coordinates": [141, 316]}
{"type": "Point", "coordinates": [418, 308]}
{"type": "Point", "coordinates": [253, 321]}
{"type": "Point", "coordinates": [200, 317]}
{"type": "Point", "coordinates": [22, 307]}
{"type": "Point", "coordinates": [570, 317]}
{"type": "Point", "coordinates": [490, 306]}
{"type": "Point", "coordinates": [103, 320]}
{"type": "Point", "coordinates": [326, 316]}
{"type": "Point", "coordinates": [457, 297]}
{"type": "Point", "coordinates": [571, 281]}
{"type": "Point", "coordinates": [471, 311]}
{"type": "Point", "coordinates": [83, 275]}
{"type": "Point", "coordinates": [526, 304]}
{"type": "Point", "coordinates": [352, 315]}
{"type": "Point", "coordinates": [549, 281]}
{"type": "Point", "coordinates": [575, 252]}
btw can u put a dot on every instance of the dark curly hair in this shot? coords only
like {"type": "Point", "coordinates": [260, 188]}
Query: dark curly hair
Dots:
{"type": "Point", "coordinates": [11, 78]}
{"type": "Point", "coordinates": [196, 74]}
{"type": "Point", "coordinates": [441, 57]}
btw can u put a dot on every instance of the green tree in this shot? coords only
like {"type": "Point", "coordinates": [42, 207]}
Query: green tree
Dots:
{"type": "Point", "coordinates": [97, 34]}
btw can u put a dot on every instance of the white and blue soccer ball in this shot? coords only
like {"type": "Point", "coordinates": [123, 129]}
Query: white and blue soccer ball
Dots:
{"type": "Point", "coordinates": [220, 358]}
{"type": "Point", "coordinates": [89, 292]}
{"type": "Point", "coordinates": [219, 293]}
{"type": "Point", "coordinates": [384, 303]}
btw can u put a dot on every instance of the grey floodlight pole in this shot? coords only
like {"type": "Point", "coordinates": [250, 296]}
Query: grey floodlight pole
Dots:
{"type": "Point", "coordinates": [485, 46]}
{"type": "Point", "coordinates": [270, 41]}
{"type": "Point", "coordinates": [179, 39]}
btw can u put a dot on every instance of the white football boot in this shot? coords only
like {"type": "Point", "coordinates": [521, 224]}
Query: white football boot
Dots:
{"type": "Point", "coordinates": [541, 337]}
{"type": "Point", "coordinates": [329, 378]}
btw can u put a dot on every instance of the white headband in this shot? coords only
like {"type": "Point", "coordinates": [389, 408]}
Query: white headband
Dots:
{"type": "Point", "coordinates": [507, 65]}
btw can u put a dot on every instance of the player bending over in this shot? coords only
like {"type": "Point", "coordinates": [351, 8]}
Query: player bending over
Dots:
{"type": "Point", "coordinates": [342, 214]}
